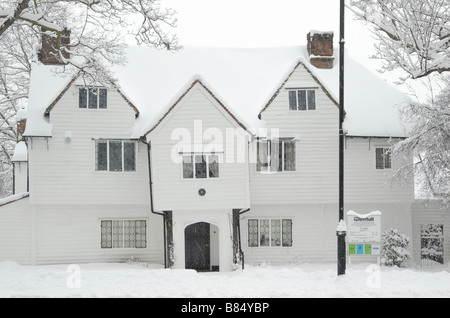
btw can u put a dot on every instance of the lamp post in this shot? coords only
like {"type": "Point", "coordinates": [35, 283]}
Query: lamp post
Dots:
{"type": "Point", "coordinates": [341, 234]}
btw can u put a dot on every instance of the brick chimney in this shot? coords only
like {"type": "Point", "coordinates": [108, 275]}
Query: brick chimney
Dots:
{"type": "Point", "coordinates": [320, 49]}
{"type": "Point", "coordinates": [51, 44]}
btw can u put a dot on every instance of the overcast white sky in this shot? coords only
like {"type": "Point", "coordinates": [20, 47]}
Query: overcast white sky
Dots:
{"type": "Point", "coordinates": [256, 23]}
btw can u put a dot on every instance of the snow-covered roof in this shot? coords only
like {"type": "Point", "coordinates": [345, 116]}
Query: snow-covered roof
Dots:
{"type": "Point", "coordinates": [196, 79]}
{"type": "Point", "coordinates": [243, 79]}
{"type": "Point", "coordinates": [20, 152]}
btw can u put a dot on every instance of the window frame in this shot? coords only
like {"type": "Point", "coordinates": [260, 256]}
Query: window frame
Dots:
{"type": "Point", "coordinates": [208, 164]}
{"type": "Point", "coordinates": [271, 219]}
{"type": "Point", "coordinates": [307, 99]}
{"type": "Point", "coordinates": [282, 158]}
{"type": "Point", "coordinates": [108, 154]}
{"type": "Point", "coordinates": [386, 158]}
{"type": "Point", "coordinates": [87, 92]}
{"type": "Point", "coordinates": [112, 241]}
{"type": "Point", "coordinates": [435, 239]}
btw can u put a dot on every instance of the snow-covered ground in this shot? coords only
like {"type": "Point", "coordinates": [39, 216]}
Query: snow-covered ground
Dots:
{"type": "Point", "coordinates": [140, 280]}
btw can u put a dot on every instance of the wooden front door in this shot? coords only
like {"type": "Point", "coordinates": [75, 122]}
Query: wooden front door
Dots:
{"type": "Point", "coordinates": [197, 246]}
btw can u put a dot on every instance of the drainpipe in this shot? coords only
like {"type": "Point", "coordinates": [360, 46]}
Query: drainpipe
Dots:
{"type": "Point", "coordinates": [241, 252]}
{"type": "Point", "coordinates": [163, 214]}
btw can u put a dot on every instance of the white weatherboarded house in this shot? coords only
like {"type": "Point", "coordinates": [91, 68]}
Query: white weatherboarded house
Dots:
{"type": "Point", "coordinates": [196, 171]}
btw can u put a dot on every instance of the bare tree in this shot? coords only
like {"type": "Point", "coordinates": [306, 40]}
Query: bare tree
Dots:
{"type": "Point", "coordinates": [414, 36]}
{"type": "Point", "coordinates": [411, 35]}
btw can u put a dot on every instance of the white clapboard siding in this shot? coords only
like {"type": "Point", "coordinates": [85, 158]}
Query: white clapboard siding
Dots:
{"type": "Point", "coordinates": [365, 183]}
{"type": "Point", "coordinates": [72, 234]}
{"type": "Point", "coordinates": [171, 191]}
{"type": "Point", "coordinates": [430, 212]}
{"type": "Point", "coordinates": [317, 158]}
{"type": "Point", "coordinates": [20, 177]}
{"type": "Point", "coordinates": [314, 230]}
{"type": "Point", "coordinates": [64, 172]}
{"type": "Point", "coordinates": [16, 220]}
{"type": "Point", "coordinates": [313, 237]}
{"type": "Point", "coordinates": [316, 175]}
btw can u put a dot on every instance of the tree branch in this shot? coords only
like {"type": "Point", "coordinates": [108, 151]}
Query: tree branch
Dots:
{"type": "Point", "coordinates": [11, 19]}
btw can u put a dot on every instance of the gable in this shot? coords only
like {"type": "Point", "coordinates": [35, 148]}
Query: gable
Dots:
{"type": "Point", "coordinates": [74, 81]}
{"type": "Point", "coordinates": [47, 86]}
{"type": "Point", "coordinates": [213, 103]}
{"type": "Point", "coordinates": [286, 81]}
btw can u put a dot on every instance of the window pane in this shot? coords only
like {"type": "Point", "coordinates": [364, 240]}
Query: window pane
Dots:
{"type": "Point", "coordinates": [115, 156]}
{"type": "Point", "coordinates": [117, 234]}
{"type": "Point", "coordinates": [292, 100]}
{"type": "Point", "coordinates": [379, 158]}
{"type": "Point", "coordinates": [214, 166]}
{"type": "Point", "coordinates": [432, 244]}
{"type": "Point", "coordinates": [101, 156]}
{"type": "Point", "coordinates": [253, 233]}
{"type": "Point", "coordinates": [128, 234]}
{"type": "Point", "coordinates": [129, 156]}
{"type": "Point", "coordinates": [103, 98]}
{"type": "Point", "coordinates": [289, 156]}
{"type": "Point", "coordinates": [311, 100]}
{"type": "Point", "coordinates": [275, 233]}
{"type": "Point", "coordinates": [387, 159]}
{"type": "Point", "coordinates": [287, 233]}
{"type": "Point", "coordinates": [302, 100]}
{"type": "Point", "coordinates": [82, 98]}
{"type": "Point", "coordinates": [188, 167]}
{"type": "Point", "coordinates": [264, 232]}
{"type": "Point", "coordinates": [141, 235]}
{"type": "Point", "coordinates": [276, 159]}
{"type": "Point", "coordinates": [262, 159]}
{"type": "Point", "coordinates": [93, 98]}
{"type": "Point", "coordinates": [106, 235]}
{"type": "Point", "coordinates": [200, 166]}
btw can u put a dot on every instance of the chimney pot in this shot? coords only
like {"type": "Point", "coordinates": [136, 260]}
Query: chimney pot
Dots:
{"type": "Point", "coordinates": [51, 45]}
{"type": "Point", "coordinates": [320, 49]}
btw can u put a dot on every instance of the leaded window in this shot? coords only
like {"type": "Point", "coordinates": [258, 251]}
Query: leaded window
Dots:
{"type": "Point", "coordinates": [276, 155]}
{"type": "Point", "coordinates": [253, 233]}
{"type": "Point", "coordinates": [115, 155]}
{"type": "Point", "coordinates": [92, 98]}
{"type": "Point", "coordinates": [123, 234]}
{"type": "Point", "coordinates": [302, 99]}
{"type": "Point", "coordinates": [200, 166]}
{"type": "Point", "coordinates": [383, 158]}
{"type": "Point", "coordinates": [270, 232]}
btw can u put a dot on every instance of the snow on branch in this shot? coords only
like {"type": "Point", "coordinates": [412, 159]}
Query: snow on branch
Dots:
{"type": "Point", "coordinates": [411, 35]}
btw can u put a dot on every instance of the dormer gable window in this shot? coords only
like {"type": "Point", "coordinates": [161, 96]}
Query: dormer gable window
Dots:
{"type": "Point", "coordinates": [92, 98]}
{"type": "Point", "coordinates": [302, 99]}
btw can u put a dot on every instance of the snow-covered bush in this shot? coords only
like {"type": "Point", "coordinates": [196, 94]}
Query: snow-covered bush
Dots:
{"type": "Point", "coordinates": [394, 251]}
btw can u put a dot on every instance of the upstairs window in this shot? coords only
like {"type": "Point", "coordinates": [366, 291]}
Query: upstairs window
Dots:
{"type": "Point", "coordinates": [115, 155]}
{"type": "Point", "coordinates": [302, 99]}
{"type": "Point", "coordinates": [200, 166]}
{"type": "Point", "coordinates": [383, 158]}
{"type": "Point", "coordinates": [276, 155]}
{"type": "Point", "coordinates": [92, 98]}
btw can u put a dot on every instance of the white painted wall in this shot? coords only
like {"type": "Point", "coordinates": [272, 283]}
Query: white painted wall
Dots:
{"type": "Point", "coordinates": [198, 115]}
{"type": "Point", "coordinates": [16, 220]}
{"type": "Point", "coordinates": [20, 176]}
{"type": "Point", "coordinates": [64, 172]}
{"type": "Point", "coordinates": [316, 176]}
{"type": "Point", "coordinates": [314, 229]}
{"type": "Point", "coordinates": [365, 183]}
{"type": "Point", "coordinates": [72, 234]}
